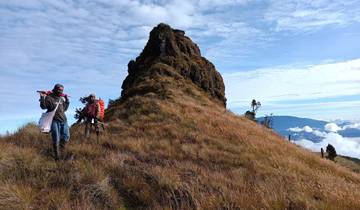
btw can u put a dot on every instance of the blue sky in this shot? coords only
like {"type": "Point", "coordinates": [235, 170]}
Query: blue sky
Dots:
{"type": "Point", "coordinates": [298, 58]}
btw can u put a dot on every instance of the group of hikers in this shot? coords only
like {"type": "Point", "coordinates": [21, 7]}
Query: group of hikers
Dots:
{"type": "Point", "coordinates": [57, 102]}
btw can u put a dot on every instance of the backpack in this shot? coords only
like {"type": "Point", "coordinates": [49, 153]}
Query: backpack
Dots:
{"type": "Point", "coordinates": [101, 109]}
{"type": "Point", "coordinates": [91, 110]}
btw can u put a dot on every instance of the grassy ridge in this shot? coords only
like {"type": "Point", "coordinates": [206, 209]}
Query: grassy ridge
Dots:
{"type": "Point", "coordinates": [348, 162]}
{"type": "Point", "coordinates": [176, 149]}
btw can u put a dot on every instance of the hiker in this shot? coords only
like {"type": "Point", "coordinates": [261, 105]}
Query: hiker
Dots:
{"type": "Point", "coordinates": [59, 127]}
{"type": "Point", "coordinates": [92, 114]}
{"type": "Point", "coordinates": [330, 149]}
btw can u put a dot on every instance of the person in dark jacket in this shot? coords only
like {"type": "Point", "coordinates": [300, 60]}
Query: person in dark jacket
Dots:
{"type": "Point", "coordinates": [59, 128]}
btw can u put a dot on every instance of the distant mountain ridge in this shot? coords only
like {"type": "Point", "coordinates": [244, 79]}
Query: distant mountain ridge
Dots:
{"type": "Point", "coordinates": [284, 125]}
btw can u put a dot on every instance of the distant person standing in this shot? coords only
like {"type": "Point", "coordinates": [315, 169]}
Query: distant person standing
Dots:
{"type": "Point", "coordinates": [60, 133]}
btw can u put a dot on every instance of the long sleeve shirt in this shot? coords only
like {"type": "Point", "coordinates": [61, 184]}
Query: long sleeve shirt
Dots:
{"type": "Point", "coordinates": [49, 102]}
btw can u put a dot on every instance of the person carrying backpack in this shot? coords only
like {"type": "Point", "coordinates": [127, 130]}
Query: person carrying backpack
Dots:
{"type": "Point", "coordinates": [60, 133]}
{"type": "Point", "coordinates": [92, 114]}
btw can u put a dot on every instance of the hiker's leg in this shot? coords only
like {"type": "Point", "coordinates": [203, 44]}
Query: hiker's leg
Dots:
{"type": "Point", "coordinates": [55, 134]}
{"type": "Point", "coordinates": [65, 132]}
{"type": "Point", "coordinates": [97, 129]}
{"type": "Point", "coordinates": [65, 136]}
{"type": "Point", "coordinates": [103, 126]}
{"type": "Point", "coordinates": [87, 128]}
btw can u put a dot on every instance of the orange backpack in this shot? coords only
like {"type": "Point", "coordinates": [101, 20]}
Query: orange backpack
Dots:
{"type": "Point", "coordinates": [101, 110]}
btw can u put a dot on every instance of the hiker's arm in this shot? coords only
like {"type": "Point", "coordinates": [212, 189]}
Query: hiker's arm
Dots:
{"type": "Point", "coordinates": [43, 102]}
{"type": "Point", "coordinates": [66, 103]}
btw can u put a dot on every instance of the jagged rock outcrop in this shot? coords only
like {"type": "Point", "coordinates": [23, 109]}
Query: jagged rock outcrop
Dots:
{"type": "Point", "coordinates": [169, 52]}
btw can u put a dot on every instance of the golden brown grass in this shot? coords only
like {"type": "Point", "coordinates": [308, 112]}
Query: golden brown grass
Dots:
{"type": "Point", "coordinates": [178, 150]}
{"type": "Point", "coordinates": [348, 162]}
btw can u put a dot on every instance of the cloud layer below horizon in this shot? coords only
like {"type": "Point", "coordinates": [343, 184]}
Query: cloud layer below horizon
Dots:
{"type": "Point", "coordinates": [348, 146]}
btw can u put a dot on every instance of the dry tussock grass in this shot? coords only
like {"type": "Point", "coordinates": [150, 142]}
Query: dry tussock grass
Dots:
{"type": "Point", "coordinates": [171, 152]}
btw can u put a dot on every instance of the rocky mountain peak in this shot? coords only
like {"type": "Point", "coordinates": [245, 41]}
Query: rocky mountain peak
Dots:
{"type": "Point", "coordinates": [171, 48]}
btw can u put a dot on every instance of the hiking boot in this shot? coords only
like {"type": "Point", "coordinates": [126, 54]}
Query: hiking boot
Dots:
{"type": "Point", "coordinates": [56, 152]}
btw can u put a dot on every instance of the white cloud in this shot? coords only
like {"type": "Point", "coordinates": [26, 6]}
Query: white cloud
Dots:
{"type": "Point", "coordinates": [344, 146]}
{"type": "Point", "coordinates": [295, 129]}
{"type": "Point", "coordinates": [305, 15]}
{"type": "Point", "coordinates": [306, 128]}
{"type": "Point", "coordinates": [332, 127]}
{"type": "Point", "coordinates": [28, 4]}
{"type": "Point", "coordinates": [286, 83]}
{"type": "Point", "coordinates": [319, 133]}
{"type": "Point", "coordinates": [205, 4]}
{"type": "Point", "coordinates": [353, 126]}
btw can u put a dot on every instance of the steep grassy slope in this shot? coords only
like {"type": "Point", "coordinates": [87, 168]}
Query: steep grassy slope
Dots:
{"type": "Point", "coordinates": [178, 154]}
{"type": "Point", "coordinates": [171, 144]}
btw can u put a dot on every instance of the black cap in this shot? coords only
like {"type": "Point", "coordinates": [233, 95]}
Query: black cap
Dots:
{"type": "Point", "coordinates": [58, 86]}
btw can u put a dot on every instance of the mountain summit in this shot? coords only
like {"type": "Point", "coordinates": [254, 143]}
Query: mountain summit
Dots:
{"type": "Point", "coordinates": [169, 52]}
